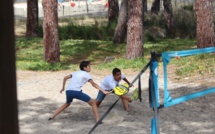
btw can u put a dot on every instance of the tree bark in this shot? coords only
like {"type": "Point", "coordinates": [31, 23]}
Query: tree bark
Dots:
{"type": "Point", "coordinates": [145, 6]}
{"type": "Point", "coordinates": [135, 35]}
{"type": "Point", "coordinates": [50, 31]}
{"type": "Point", "coordinates": [205, 24]}
{"type": "Point", "coordinates": [168, 13]}
{"type": "Point", "coordinates": [9, 123]}
{"type": "Point", "coordinates": [155, 7]}
{"type": "Point", "coordinates": [121, 27]}
{"type": "Point", "coordinates": [32, 18]}
{"type": "Point", "coordinates": [113, 10]}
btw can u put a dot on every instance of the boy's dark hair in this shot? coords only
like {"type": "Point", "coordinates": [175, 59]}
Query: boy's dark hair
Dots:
{"type": "Point", "coordinates": [115, 70]}
{"type": "Point", "coordinates": [84, 64]}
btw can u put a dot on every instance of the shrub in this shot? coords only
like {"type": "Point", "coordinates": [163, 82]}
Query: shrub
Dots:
{"type": "Point", "coordinates": [188, 7]}
{"type": "Point", "coordinates": [86, 32]}
{"type": "Point", "coordinates": [184, 27]}
{"type": "Point", "coordinates": [185, 23]}
{"type": "Point", "coordinates": [149, 37]}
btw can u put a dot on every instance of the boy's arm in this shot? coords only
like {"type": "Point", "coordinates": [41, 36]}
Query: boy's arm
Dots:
{"type": "Point", "coordinates": [98, 87]}
{"type": "Point", "coordinates": [64, 82]}
{"type": "Point", "coordinates": [127, 81]}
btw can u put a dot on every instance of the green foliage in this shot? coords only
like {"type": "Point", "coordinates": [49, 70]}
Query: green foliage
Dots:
{"type": "Point", "coordinates": [153, 20]}
{"type": "Point", "coordinates": [98, 29]}
{"type": "Point", "coordinates": [30, 53]}
{"type": "Point", "coordinates": [77, 50]}
{"type": "Point", "coordinates": [29, 56]}
{"type": "Point", "coordinates": [214, 22]}
{"type": "Point", "coordinates": [198, 64]}
{"type": "Point", "coordinates": [188, 7]}
{"type": "Point", "coordinates": [164, 45]}
{"type": "Point", "coordinates": [86, 32]}
{"type": "Point", "coordinates": [40, 66]}
{"type": "Point", "coordinates": [185, 24]}
{"type": "Point", "coordinates": [149, 37]}
{"type": "Point", "coordinates": [124, 64]}
{"type": "Point", "coordinates": [40, 31]}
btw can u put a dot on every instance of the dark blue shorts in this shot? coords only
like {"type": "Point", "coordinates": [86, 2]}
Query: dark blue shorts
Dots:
{"type": "Point", "coordinates": [100, 96]}
{"type": "Point", "coordinates": [70, 95]}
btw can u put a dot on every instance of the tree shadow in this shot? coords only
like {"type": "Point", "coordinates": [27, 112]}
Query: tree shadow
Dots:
{"type": "Point", "coordinates": [78, 118]}
{"type": "Point", "coordinates": [90, 50]}
{"type": "Point", "coordinates": [194, 116]}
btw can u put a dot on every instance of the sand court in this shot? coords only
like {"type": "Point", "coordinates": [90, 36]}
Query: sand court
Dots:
{"type": "Point", "coordinates": [39, 97]}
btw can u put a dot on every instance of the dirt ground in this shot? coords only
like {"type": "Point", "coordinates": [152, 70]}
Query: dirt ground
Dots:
{"type": "Point", "coordinates": [39, 97]}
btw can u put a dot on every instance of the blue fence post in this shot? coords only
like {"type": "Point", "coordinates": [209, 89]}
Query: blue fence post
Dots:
{"type": "Point", "coordinates": [154, 93]}
{"type": "Point", "coordinates": [153, 126]}
{"type": "Point", "coordinates": [154, 78]}
{"type": "Point", "coordinates": [167, 96]}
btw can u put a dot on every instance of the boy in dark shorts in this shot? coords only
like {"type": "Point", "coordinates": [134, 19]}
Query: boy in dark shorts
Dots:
{"type": "Point", "coordinates": [73, 90]}
{"type": "Point", "coordinates": [109, 83]}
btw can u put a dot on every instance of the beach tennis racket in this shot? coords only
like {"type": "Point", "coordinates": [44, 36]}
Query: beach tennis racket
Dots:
{"type": "Point", "coordinates": [121, 89]}
{"type": "Point", "coordinates": [137, 92]}
{"type": "Point", "coordinates": [135, 95]}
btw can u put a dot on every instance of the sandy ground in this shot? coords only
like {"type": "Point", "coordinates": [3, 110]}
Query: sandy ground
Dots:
{"type": "Point", "coordinates": [38, 95]}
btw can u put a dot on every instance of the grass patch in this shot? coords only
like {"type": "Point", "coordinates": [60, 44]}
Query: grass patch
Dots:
{"type": "Point", "coordinates": [74, 31]}
{"type": "Point", "coordinates": [29, 53]}
{"type": "Point", "coordinates": [124, 64]}
{"type": "Point", "coordinates": [29, 56]}
{"type": "Point", "coordinates": [202, 64]}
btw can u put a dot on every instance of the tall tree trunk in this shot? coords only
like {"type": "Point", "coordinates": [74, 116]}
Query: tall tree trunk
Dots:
{"type": "Point", "coordinates": [32, 18]}
{"type": "Point", "coordinates": [145, 6]}
{"type": "Point", "coordinates": [155, 7]}
{"type": "Point", "coordinates": [50, 31]}
{"type": "Point", "coordinates": [205, 24]}
{"type": "Point", "coordinates": [168, 15]}
{"type": "Point", "coordinates": [121, 27]}
{"type": "Point", "coordinates": [87, 8]}
{"type": "Point", "coordinates": [113, 10]}
{"type": "Point", "coordinates": [9, 123]}
{"type": "Point", "coordinates": [135, 35]}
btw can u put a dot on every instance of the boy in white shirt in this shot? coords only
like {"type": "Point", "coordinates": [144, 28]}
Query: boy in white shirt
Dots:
{"type": "Point", "coordinates": [73, 90]}
{"type": "Point", "coordinates": [110, 82]}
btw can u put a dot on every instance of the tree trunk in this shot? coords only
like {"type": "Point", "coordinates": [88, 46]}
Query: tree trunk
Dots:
{"type": "Point", "coordinates": [168, 14]}
{"type": "Point", "coordinates": [113, 10]}
{"type": "Point", "coordinates": [205, 24]}
{"type": "Point", "coordinates": [87, 6]}
{"type": "Point", "coordinates": [121, 27]}
{"type": "Point", "coordinates": [32, 18]}
{"type": "Point", "coordinates": [9, 123]}
{"type": "Point", "coordinates": [135, 35]}
{"type": "Point", "coordinates": [50, 31]}
{"type": "Point", "coordinates": [155, 7]}
{"type": "Point", "coordinates": [145, 6]}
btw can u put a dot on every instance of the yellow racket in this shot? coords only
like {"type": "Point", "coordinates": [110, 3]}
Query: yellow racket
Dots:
{"type": "Point", "coordinates": [135, 94]}
{"type": "Point", "coordinates": [121, 89]}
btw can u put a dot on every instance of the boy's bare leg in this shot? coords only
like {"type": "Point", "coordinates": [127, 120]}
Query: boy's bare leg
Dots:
{"type": "Point", "coordinates": [126, 98]}
{"type": "Point", "coordinates": [125, 103]}
{"type": "Point", "coordinates": [98, 103]}
{"type": "Point", "coordinates": [93, 104]}
{"type": "Point", "coordinates": [60, 109]}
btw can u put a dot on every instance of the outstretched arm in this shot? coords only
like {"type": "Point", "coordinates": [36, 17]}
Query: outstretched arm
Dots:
{"type": "Point", "coordinates": [127, 81]}
{"type": "Point", "coordinates": [98, 87]}
{"type": "Point", "coordinates": [64, 82]}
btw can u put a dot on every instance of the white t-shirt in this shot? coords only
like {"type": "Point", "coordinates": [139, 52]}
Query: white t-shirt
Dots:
{"type": "Point", "coordinates": [109, 82]}
{"type": "Point", "coordinates": [79, 78]}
